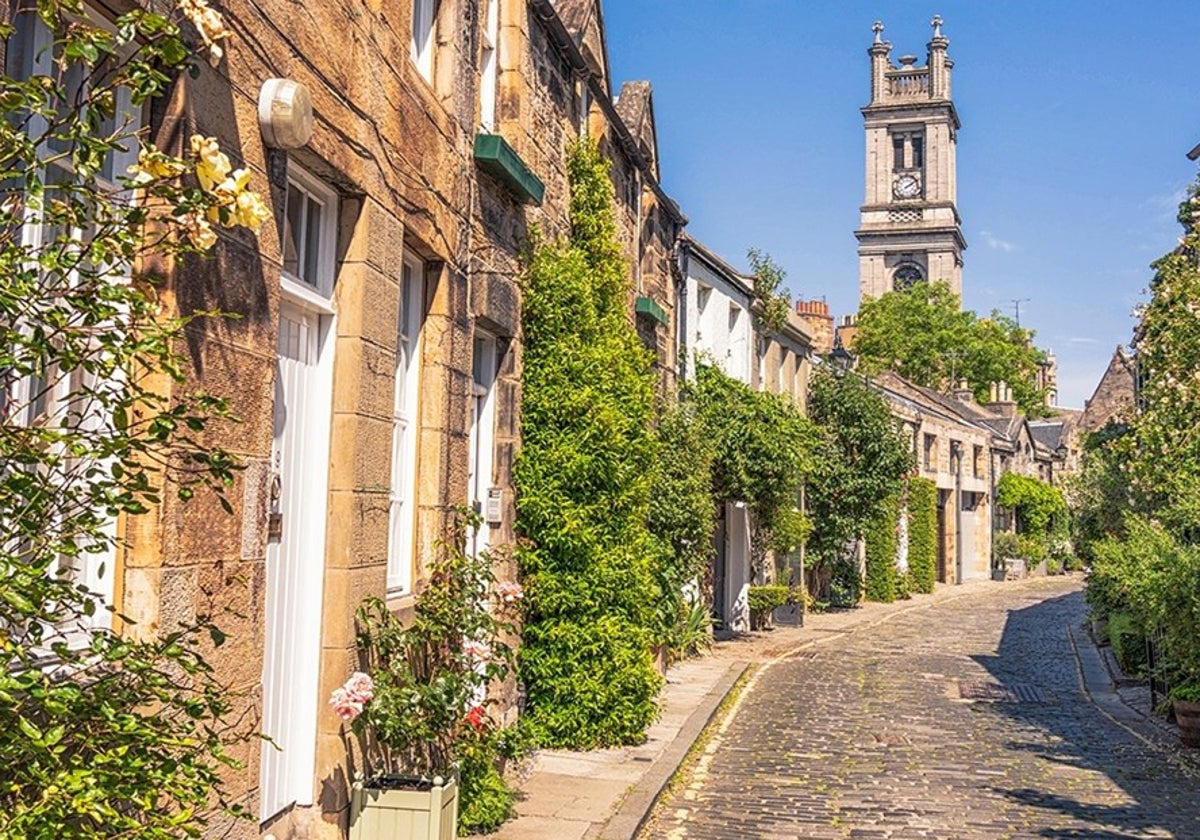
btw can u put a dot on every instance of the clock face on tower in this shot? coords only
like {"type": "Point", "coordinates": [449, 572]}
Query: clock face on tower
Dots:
{"type": "Point", "coordinates": [907, 186]}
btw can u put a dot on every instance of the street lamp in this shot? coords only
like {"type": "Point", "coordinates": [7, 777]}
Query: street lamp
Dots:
{"type": "Point", "coordinates": [840, 356]}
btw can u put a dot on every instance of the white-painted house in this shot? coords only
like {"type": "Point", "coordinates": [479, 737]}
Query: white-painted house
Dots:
{"type": "Point", "coordinates": [716, 326]}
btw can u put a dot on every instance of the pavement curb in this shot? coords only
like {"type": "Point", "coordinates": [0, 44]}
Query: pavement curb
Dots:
{"type": "Point", "coordinates": [641, 798]}
{"type": "Point", "coordinates": [1098, 685]}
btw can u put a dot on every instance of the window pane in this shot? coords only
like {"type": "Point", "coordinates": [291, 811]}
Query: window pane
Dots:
{"type": "Point", "coordinates": [293, 226]}
{"type": "Point", "coordinates": [312, 244]}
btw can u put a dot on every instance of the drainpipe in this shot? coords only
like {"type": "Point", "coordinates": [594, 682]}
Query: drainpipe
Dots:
{"type": "Point", "coordinates": [956, 453]}
{"type": "Point", "coordinates": [682, 266]}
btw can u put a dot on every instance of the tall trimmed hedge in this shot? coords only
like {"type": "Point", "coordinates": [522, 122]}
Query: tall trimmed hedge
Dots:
{"type": "Point", "coordinates": [922, 533]}
{"type": "Point", "coordinates": [583, 486]}
{"type": "Point", "coordinates": [882, 545]}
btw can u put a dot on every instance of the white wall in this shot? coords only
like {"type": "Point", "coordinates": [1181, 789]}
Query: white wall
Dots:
{"type": "Point", "coordinates": [719, 327]}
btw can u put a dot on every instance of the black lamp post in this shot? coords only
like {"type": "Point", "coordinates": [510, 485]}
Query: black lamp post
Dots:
{"type": "Point", "coordinates": [840, 356]}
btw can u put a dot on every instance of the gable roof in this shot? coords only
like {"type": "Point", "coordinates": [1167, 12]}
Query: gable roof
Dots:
{"type": "Point", "coordinates": [636, 107]}
{"type": "Point", "coordinates": [584, 21]}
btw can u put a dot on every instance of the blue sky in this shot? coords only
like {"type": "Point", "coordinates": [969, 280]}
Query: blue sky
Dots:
{"type": "Point", "coordinates": [1076, 118]}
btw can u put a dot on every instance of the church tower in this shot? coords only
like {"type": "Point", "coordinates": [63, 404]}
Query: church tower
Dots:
{"type": "Point", "coordinates": [909, 229]}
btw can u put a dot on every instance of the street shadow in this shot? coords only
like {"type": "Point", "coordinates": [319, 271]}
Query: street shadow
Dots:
{"type": "Point", "coordinates": [1037, 674]}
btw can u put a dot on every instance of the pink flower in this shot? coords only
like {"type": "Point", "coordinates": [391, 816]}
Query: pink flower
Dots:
{"type": "Point", "coordinates": [348, 700]}
{"type": "Point", "coordinates": [510, 592]}
{"type": "Point", "coordinates": [345, 706]}
{"type": "Point", "coordinates": [476, 651]}
{"type": "Point", "coordinates": [360, 687]}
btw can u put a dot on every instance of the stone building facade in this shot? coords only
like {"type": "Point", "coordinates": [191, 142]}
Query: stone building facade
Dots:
{"type": "Point", "coordinates": [375, 360]}
{"type": "Point", "coordinates": [910, 230]}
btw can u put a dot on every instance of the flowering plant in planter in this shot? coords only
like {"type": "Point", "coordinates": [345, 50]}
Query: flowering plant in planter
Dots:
{"type": "Point", "coordinates": [421, 702]}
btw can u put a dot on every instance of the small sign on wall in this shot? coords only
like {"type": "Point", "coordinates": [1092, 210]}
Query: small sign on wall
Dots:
{"type": "Point", "coordinates": [493, 509]}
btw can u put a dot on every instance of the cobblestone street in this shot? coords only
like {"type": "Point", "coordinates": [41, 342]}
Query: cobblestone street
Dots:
{"type": "Point", "coordinates": [965, 719]}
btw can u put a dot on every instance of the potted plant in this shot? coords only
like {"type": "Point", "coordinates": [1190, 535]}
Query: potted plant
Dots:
{"type": "Point", "coordinates": [1185, 703]}
{"type": "Point", "coordinates": [762, 601]}
{"type": "Point", "coordinates": [419, 707]}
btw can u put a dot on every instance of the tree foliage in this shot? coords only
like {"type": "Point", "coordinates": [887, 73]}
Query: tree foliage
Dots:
{"type": "Point", "coordinates": [583, 483]}
{"type": "Point", "coordinates": [774, 303]}
{"type": "Point", "coordinates": [107, 729]}
{"type": "Point", "coordinates": [1036, 503]}
{"type": "Point", "coordinates": [682, 519]}
{"type": "Point", "coordinates": [922, 333]}
{"type": "Point", "coordinates": [861, 460]}
{"type": "Point", "coordinates": [762, 448]}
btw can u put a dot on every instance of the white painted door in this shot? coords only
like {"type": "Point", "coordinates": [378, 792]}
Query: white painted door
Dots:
{"type": "Point", "coordinates": [295, 560]}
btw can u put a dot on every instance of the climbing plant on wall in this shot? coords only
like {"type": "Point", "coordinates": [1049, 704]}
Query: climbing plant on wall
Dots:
{"type": "Point", "coordinates": [922, 533]}
{"type": "Point", "coordinates": [763, 448]}
{"type": "Point", "coordinates": [882, 545]}
{"type": "Point", "coordinates": [583, 486]}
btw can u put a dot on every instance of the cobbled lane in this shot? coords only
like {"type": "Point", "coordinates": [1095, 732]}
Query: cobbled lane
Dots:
{"type": "Point", "coordinates": [965, 719]}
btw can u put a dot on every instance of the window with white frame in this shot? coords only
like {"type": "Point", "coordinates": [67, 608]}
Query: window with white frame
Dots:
{"type": "Point", "coordinates": [424, 14]}
{"type": "Point", "coordinates": [61, 395]}
{"type": "Point", "coordinates": [405, 430]}
{"type": "Point", "coordinates": [483, 431]}
{"type": "Point", "coordinates": [489, 69]}
{"type": "Point", "coordinates": [309, 232]}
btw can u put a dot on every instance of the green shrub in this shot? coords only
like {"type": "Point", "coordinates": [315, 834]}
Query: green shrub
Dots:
{"type": "Point", "coordinates": [922, 533]}
{"type": "Point", "coordinates": [1128, 642]}
{"type": "Point", "coordinates": [589, 684]}
{"type": "Point", "coordinates": [1005, 545]}
{"type": "Point", "coordinates": [1032, 549]}
{"type": "Point", "coordinates": [882, 547]}
{"type": "Point", "coordinates": [590, 564]}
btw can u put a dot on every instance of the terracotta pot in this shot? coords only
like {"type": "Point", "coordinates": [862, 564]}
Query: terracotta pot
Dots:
{"type": "Point", "coordinates": [1187, 715]}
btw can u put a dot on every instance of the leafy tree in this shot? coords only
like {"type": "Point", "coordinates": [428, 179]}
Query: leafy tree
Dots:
{"type": "Point", "coordinates": [861, 460]}
{"type": "Point", "coordinates": [774, 304]}
{"type": "Point", "coordinates": [922, 333]}
{"type": "Point", "coordinates": [1165, 465]}
{"type": "Point", "coordinates": [106, 729]}
{"type": "Point", "coordinates": [763, 448]}
{"type": "Point", "coordinates": [682, 515]}
{"type": "Point", "coordinates": [583, 483]}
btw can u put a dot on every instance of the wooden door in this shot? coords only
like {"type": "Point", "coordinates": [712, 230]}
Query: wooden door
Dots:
{"type": "Point", "coordinates": [295, 562]}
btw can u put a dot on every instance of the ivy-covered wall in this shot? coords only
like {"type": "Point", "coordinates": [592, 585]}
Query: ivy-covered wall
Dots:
{"type": "Point", "coordinates": [882, 545]}
{"type": "Point", "coordinates": [583, 486]}
{"type": "Point", "coordinates": [922, 533]}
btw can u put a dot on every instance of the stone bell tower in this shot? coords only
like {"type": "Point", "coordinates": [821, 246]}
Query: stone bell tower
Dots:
{"type": "Point", "coordinates": [909, 229]}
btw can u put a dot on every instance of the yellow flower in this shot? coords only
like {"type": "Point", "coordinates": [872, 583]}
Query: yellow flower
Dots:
{"type": "Point", "coordinates": [227, 191]}
{"type": "Point", "coordinates": [199, 231]}
{"type": "Point", "coordinates": [212, 165]}
{"type": "Point", "coordinates": [251, 210]}
{"type": "Point", "coordinates": [153, 165]}
{"type": "Point", "coordinates": [208, 23]}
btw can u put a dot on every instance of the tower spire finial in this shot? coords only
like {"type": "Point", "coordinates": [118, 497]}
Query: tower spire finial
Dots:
{"type": "Point", "coordinates": [877, 28]}
{"type": "Point", "coordinates": [936, 23]}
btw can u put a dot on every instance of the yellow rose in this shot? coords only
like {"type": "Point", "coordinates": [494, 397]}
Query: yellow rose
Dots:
{"type": "Point", "coordinates": [212, 165]}
{"type": "Point", "coordinates": [199, 231]}
{"type": "Point", "coordinates": [251, 211]}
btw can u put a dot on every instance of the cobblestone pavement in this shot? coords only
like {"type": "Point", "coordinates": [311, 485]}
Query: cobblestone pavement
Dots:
{"type": "Point", "coordinates": [962, 720]}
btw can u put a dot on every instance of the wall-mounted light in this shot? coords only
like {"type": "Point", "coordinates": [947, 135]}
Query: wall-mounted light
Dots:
{"type": "Point", "coordinates": [285, 114]}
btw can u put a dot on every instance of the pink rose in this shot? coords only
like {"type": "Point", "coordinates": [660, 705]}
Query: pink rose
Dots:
{"type": "Point", "coordinates": [345, 706]}
{"type": "Point", "coordinates": [360, 687]}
